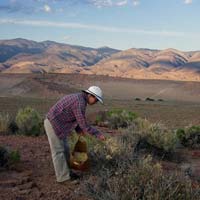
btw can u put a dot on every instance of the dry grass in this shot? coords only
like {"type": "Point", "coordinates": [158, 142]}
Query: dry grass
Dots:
{"type": "Point", "coordinates": [4, 122]}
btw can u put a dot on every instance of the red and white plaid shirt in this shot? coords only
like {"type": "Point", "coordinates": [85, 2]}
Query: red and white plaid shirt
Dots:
{"type": "Point", "coordinates": [68, 114]}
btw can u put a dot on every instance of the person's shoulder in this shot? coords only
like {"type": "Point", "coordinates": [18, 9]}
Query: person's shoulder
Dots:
{"type": "Point", "coordinates": [75, 96]}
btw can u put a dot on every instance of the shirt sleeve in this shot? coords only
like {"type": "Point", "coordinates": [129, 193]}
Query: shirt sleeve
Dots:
{"type": "Point", "coordinates": [79, 113]}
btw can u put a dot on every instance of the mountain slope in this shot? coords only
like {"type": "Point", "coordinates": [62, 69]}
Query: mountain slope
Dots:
{"type": "Point", "coordinates": [26, 56]}
{"type": "Point", "coordinates": [23, 56]}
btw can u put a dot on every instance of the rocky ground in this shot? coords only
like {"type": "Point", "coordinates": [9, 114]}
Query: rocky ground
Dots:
{"type": "Point", "coordinates": [33, 177]}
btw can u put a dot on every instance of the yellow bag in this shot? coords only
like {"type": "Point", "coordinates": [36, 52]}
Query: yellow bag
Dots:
{"type": "Point", "coordinates": [79, 159]}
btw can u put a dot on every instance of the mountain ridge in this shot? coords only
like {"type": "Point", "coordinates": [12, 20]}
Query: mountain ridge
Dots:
{"type": "Point", "coordinates": [27, 56]}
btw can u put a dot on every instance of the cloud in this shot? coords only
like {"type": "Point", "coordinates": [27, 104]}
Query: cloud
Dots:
{"type": "Point", "coordinates": [47, 8]}
{"type": "Point", "coordinates": [101, 3]}
{"type": "Point", "coordinates": [37, 23]}
{"type": "Point", "coordinates": [188, 1]}
{"type": "Point", "coordinates": [35, 6]}
{"type": "Point", "coordinates": [107, 3]}
{"type": "Point", "coordinates": [136, 2]}
{"type": "Point", "coordinates": [122, 3]}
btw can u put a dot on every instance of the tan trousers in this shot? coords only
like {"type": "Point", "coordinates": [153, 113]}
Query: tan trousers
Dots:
{"type": "Point", "coordinates": [59, 151]}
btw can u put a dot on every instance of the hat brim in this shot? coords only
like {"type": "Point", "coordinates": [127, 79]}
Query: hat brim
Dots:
{"type": "Point", "coordinates": [98, 98]}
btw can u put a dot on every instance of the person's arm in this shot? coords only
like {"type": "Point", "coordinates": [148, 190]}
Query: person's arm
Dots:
{"type": "Point", "coordinates": [79, 113]}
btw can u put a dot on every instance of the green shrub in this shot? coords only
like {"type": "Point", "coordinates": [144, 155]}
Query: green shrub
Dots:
{"type": "Point", "coordinates": [116, 118]}
{"type": "Point", "coordinates": [162, 138]}
{"type": "Point", "coordinates": [189, 137]}
{"type": "Point", "coordinates": [29, 122]}
{"type": "Point", "coordinates": [4, 122]}
{"type": "Point", "coordinates": [154, 134]}
{"type": "Point", "coordinates": [8, 157]}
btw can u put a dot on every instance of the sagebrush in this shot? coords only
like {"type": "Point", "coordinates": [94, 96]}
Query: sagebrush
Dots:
{"type": "Point", "coordinates": [29, 122]}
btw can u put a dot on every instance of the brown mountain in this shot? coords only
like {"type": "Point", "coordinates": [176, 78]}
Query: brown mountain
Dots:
{"type": "Point", "coordinates": [25, 56]}
{"type": "Point", "coordinates": [151, 64]}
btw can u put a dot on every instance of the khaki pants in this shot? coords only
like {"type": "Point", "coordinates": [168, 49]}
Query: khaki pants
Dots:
{"type": "Point", "coordinates": [60, 153]}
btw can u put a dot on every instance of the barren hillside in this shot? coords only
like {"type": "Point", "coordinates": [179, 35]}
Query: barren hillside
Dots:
{"type": "Point", "coordinates": [25, 56]}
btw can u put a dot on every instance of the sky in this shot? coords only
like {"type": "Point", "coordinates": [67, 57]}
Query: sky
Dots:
{"type": "Point", "coordinates": [120, 24]}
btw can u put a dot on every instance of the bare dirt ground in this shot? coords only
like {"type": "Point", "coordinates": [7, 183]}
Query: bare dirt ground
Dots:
{"type": "Point", "coordinates": [33, 177]}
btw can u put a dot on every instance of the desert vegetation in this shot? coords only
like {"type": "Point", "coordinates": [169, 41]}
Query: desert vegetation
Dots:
{"type": "Point", "coordinates": [121, 173]}
{"type": "Point", "coordinates": [29, 122]}
{"type": "Point", "coordinates": [189, 137]}
{"type": "Point", "coordinates": [4, 122]}
{"type": "Point", "coordinates": [116, 118]}
{"type": "Point", "coordinates": [151, 135]}
{"type": "Point", "coordinates": [127, 165]}
{"type": "Point", "coordinates": [8, 157]}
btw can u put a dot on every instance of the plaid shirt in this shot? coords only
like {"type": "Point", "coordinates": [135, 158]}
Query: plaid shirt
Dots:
{"type": "Point", "coordinates": [68, 114]}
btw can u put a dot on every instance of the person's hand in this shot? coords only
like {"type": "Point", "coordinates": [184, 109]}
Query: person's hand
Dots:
{"type": "Point", "coordinates": [101, 137]}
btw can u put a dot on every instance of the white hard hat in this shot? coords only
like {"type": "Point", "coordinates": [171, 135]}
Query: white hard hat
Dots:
{"type": "Point", "coordinates": [96, 91]}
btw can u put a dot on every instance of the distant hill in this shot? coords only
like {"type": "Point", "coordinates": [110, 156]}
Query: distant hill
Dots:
{"type": "Point", "coordinates": [26, 56]}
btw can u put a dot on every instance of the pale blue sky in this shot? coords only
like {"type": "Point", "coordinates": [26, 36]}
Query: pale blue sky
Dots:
{"type": "Point", "coordinates": [121, 24]}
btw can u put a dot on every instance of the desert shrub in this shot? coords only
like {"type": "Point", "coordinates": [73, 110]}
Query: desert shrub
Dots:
{"type": "Point", "coordinates": [142, 180]}
{"type": "Point", "coordinates": [154, 134]}
{"type": "Point", "coordinates": [189, 137]}
{"type": "Point", "coordinates": [4, 122]}
{"type": "Point", "coordinates": [13, 128]}
{"type": "Point", "coordinates": [149, 99]}
{"type": "Point", "coordinates": [111, 153]}
{"type": "Point", "coordinates": [117, 118]}
{"type": "Point", "coordinates": [160, 100]}
{"type": "Point", "coordinates": [137, 99]}
{"type": "Point", "coordinates": [119, 174]}
{"type": "Point", "coordinates": [29, 122]}
{"type": "Point", "coordinates": [8, 157]}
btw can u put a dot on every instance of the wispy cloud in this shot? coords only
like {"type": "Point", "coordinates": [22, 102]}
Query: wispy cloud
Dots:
{"type": "Point", "coordinates": [122, 3]}
{"type": "Point", "coordinates": [107, 3]}
{"type": "Point", "coordinates": [38, 23]}
{"type": "Point", "coordinates": [35, 6]}
{"type": "Point", "coordinates": [101, 3]}
{"type": "Point", "coordinates": [188, 1]}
